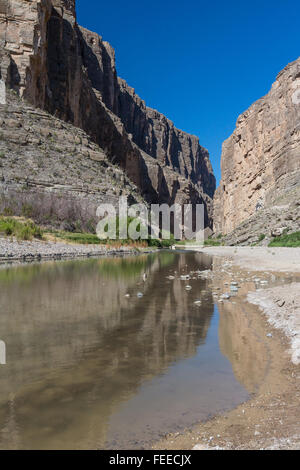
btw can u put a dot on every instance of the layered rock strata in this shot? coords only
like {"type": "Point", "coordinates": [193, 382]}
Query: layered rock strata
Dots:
{"type": "Point", "coordinates": [261, 162]}
{"type": "Point", "coordinates": [70, 72]}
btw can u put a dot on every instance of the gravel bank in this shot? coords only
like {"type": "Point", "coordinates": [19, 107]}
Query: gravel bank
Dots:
{"type": "Point", "coordinates": [259, 258]}
{"type": "Point", "coordinates": [13, 250]}
{"type": "Point", "coordinates": [282, 308]}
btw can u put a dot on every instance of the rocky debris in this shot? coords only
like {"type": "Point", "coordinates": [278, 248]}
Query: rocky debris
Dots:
{"type": "Point", "coordinates": [260, 164]}
{"type": "Point", "coordinates": [225, 297]}
{"type": "Point", "coordinates": [272, 301]}
{"type": "Point", "coordinates": [206, 447]}
{"type": "Point", "coordinates": [47, 58]}
{"type": "Point", "coordinates": [277, 232]}
{"type": "Point", "coordinates": [268, 223]}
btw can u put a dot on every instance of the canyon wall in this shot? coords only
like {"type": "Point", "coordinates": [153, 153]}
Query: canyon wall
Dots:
{"type": "Point", "coordinates": [261, 160]}
{"type": "Point", "coordinates": [70, 72]}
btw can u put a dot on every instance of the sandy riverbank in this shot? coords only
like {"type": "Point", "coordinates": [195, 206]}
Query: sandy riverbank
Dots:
{"type": "Point", "coordinates": [260, 258]}
{"type": "Point", "coordinates": [270, 419]}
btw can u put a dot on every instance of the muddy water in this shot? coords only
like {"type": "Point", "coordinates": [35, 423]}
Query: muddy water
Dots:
{"type": "Point", "coordinates": [92, 365]}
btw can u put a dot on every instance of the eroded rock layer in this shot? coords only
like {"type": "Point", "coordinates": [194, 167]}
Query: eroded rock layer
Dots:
{"type": "Point", "coordinates": [70, 72]}
{"type": "Point", "coordinates": [261, 160]}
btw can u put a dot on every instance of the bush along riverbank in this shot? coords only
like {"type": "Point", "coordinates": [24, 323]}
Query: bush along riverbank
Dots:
{"type": "Point", "coordinates": [22, 239]}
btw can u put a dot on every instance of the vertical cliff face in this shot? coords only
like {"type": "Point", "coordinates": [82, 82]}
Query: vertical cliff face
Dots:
{"type": "Point", "coordinates": [261, 160]}
{"type": "Point", "coordinates": [70, 72]}
{"type": "Point", "coordinates": [158, 137]}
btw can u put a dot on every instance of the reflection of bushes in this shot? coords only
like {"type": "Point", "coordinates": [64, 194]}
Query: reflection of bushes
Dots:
{"type": "Point", "coordinates": [123, 268]}
{"type": "Point", "coordinates": [166, 259]}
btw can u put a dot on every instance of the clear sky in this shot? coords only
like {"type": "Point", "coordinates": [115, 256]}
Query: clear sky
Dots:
{"type": "Point", "coordinates": [201, 63]}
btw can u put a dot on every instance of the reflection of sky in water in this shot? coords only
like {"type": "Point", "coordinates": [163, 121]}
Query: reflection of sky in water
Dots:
{"type": "Point", "coordinates": [88, 365]}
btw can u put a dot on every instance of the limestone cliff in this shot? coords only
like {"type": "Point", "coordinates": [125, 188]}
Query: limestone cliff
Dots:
{"type": "Point", "coordinates": [70, 72]}
{"type": "Point", "coordinates": [261, 163]}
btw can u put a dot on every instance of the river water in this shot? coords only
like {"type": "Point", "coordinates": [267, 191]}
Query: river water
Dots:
{"type": "Point", "coordinates": [97, 358]}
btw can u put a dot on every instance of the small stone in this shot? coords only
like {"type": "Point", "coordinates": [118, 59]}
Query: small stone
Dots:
{"type": "Point", "coordinates": [225, 296]}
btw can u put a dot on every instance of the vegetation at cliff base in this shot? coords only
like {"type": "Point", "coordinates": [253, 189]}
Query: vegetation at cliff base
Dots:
{"type": "Point", "coordinates": [25, 229]}
{"type": "Point", "coordinates": [291, 240]}
{"type": "Point", "coordinates": [213, 242]}
{"type": "Point", "coordinates": [20, 228]}
{"type": "Point", "coordinates": [85, 238]}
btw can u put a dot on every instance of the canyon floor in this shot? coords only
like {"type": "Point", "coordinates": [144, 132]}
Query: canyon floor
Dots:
{"type": "Point", "coordinates": [270, 419]}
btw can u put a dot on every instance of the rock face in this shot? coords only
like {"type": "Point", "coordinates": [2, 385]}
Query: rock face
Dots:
{"type": "Point", "coordinates": [53, 172]}
{"type": "Point", "coordinates": [70, 72]}
{"type": "Point", "coordinates": [261, 161]}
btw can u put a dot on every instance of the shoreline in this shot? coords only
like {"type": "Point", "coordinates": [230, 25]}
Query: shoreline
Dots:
{"type": "Point", "coordinates": [269, 420]}
{"type": "Point", "coordinates": [29, 251]}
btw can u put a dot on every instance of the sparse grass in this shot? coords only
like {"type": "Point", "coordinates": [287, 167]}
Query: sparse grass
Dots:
{"type": "Point", "coordinates": [92, 239]}
{"type": "Point", "coordinates": [261, 237]}
{"type": "Point", "coordinates": [292, 240]}
{"type": "Point", "coordinates": [81, 238]}
{"type": "Point", "coordinates": [20, 228]}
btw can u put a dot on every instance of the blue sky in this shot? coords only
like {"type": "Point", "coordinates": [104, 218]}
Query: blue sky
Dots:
{"type": "Point", "coordinates": [201, 63]}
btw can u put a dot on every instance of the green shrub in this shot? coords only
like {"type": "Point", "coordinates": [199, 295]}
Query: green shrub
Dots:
{"type": "Point", "coordinates": [211, 242]}
{"type": "Point", "coordinates": [21, 230]}
{"type": "Point", "coordinates": [24, 233]}
{"type": "Point", "coordinates": [292, 240]}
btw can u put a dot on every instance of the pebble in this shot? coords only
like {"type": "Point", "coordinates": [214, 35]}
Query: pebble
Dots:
{"type": "Point", "coordinates": [225, 296]}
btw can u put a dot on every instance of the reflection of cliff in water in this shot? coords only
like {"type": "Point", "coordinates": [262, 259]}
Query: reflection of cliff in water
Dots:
{"type": "Point", "coordinates": [240, 343]}
{"type": "Point", "coordinates": [77, 347]}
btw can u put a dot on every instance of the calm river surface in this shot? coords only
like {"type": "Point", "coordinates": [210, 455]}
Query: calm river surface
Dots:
{"type": "Point", "coordinates": [89, 367]}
